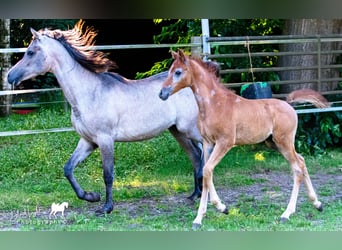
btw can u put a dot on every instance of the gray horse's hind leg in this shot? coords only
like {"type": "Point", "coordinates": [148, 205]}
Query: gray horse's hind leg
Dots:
{"type": "Point", "coordinates": [82, 151]}
{"type": "Point", "coordinates": [107, 155]}
{"type": "Point", "coordinates": [195, 152]}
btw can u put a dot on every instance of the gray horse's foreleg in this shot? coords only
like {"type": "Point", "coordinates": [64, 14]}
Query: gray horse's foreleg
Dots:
{"type": "Point", "coordinates": [195, 153]}
{"type": "Point", "coordinates": [82, 151]}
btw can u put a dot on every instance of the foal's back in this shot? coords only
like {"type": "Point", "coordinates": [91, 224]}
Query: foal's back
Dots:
{"type": "Point", "coordinates": [253, 121]}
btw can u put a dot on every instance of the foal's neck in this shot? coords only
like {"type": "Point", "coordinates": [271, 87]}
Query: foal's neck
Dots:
{"type": "Point", "coordinates": [205, 87]}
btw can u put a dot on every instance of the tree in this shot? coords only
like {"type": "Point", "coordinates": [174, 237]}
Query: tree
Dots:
{"type": "Point", "coordinates": [310, 27]}
{"type": "Point", "coordinates": [181, 31]}
{"type": "Point", "coordinates": [5, 59]}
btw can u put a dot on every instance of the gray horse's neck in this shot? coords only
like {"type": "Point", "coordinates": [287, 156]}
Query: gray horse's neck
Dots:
{"type": "Point", "coordinates": [75, 88]}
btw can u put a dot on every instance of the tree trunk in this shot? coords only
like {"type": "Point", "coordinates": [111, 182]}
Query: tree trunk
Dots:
{"type": "Point", "coordinates": [310, 27]}
{"type": "Point", "coordinates": [5, 60]}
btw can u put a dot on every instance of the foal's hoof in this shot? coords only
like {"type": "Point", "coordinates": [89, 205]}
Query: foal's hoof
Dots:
{"type": "Point", "coordinates": [92, 196]}
{"type": "Point", "coordinates": [196, 226]}
{"type": "Point", "coordinates": [225, 211]}
{"type": "Point", "coordinates": [283, 220]}
{"type": "Point", "coordinates": [320, 208]}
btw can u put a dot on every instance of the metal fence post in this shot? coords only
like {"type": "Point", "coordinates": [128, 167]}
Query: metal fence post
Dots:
{"type": "Point", "coordinates": [205, 36]}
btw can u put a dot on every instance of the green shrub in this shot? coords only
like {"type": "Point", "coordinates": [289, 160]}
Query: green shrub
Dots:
{"type": "Point", "coordinates": [318, 131]}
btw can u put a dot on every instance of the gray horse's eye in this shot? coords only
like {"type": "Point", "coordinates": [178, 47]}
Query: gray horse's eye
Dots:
{"type": "Point", "coordinates": [30, 53]}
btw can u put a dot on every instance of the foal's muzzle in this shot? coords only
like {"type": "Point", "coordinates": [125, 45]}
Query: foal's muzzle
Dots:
{"type": "Point", "coordinates": [165, 93]}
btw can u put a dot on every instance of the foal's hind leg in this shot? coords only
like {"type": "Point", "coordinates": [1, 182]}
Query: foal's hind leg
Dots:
{"type": "Point", "coordinates": [300, 173]}
{"type": "Point", "coordinates": [310, 190]}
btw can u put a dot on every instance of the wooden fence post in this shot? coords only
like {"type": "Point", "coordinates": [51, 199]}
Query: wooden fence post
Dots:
{"type": "Point", "coordinates": [196, 50]}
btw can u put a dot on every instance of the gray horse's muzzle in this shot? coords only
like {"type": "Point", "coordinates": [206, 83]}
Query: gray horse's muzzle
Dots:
{"type": "Point", "coordinates": [14, 78]}
{"type": "Point", "coordinates": [165, 93]}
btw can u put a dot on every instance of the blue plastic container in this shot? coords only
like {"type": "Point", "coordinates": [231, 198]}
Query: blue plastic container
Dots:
{"type": "Point", "coordinates": [257, 90]}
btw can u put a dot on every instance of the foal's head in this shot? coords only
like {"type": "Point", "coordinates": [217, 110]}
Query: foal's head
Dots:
{"type": "Point", "coordinates": [181, 73]}
{"type": "Point", "coordinates": [179, 76]}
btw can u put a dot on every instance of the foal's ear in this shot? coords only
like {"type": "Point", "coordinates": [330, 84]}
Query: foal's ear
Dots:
{"type": "Point", "coordinates": [36, 35]}
{"type": "Point", "coordinates": [180, 52]}
{"type": "Point", "coordinates": [182, 57]}
{"type": "Point", "coordinates": [174, 54]}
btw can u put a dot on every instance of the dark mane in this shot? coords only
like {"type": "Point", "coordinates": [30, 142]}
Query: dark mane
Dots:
{"type": "Point", "coordinates": [79, 45]}
{"type": "Point", "coordinates": [116, 76]}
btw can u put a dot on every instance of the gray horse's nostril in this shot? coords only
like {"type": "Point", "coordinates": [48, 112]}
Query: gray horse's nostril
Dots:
{"type": "Point", "coordinates": [164, 93]}
{"type": "Point", "coordinates": [13, 78]}
{"type": "Point", "coordinates": [161, 96]}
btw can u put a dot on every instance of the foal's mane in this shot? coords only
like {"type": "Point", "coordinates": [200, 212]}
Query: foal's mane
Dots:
{"type": "Point", "coordinates": [79, 44]}
{"type": "Point", "coordinates": [210, 66]}
{"type": "Point", "coordinates": [213, 69]}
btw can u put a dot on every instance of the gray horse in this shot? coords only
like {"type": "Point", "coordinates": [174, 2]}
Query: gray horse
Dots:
{"type": "Point", "coordinates": [107, 107]}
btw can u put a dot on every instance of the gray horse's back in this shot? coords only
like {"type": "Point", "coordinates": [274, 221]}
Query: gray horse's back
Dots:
{"type": "Point", "coordinates": [137, 112]}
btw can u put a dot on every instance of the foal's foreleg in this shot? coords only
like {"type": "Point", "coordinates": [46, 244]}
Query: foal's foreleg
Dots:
{"type": "Point", "coordinates": [82, 151]}
{"type": "Point", "coordinates": [215, 157]}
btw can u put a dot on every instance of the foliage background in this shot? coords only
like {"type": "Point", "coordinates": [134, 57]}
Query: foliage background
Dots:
{"type": "Point", "coordinates": [316, 132]}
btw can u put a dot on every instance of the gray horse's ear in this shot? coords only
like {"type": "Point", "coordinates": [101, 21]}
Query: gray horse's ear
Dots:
{"type": "Point", "coordinates": [36, 35]}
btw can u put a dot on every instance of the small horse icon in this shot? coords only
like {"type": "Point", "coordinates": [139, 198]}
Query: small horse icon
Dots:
{"type": "Point", "coordinates": [55, 207]}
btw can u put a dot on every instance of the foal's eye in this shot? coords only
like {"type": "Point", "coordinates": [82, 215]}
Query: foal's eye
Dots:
{"type": "Point", "coordinates": [178, 72]}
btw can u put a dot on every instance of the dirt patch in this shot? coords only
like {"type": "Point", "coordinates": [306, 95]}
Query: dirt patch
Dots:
{"type": "Point", "coordinates": [275, 186]}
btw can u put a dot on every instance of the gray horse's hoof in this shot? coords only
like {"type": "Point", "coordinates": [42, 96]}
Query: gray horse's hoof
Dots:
{"type": "Point", "coordinates": [92, 196]}
{"type": "Point", "coordinates": [104, 210]}
{"type": "Point", "coordinates": [194, 195]}
{"type": "Point", "coordinates": [196, 226]}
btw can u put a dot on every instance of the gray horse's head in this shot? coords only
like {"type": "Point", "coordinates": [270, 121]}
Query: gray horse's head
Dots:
{"type": "Point", "coordinates": [33, 63]}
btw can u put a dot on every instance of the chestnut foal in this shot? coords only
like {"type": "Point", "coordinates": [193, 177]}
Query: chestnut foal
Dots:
{"type": "Point", "coordinates": [226, 120]}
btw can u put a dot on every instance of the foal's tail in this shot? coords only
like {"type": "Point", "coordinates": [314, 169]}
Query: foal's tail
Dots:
{"type": "Point", "coordinates": [308, 95]}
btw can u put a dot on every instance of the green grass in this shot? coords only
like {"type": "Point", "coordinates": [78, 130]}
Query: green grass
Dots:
{"type": "Point", "coordinates": [31, 178]}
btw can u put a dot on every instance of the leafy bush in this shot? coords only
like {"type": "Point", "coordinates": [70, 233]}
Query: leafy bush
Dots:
{"type": "Point", "coordinates": [318, 131]}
